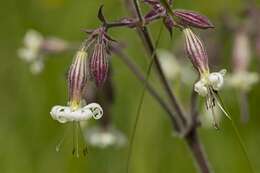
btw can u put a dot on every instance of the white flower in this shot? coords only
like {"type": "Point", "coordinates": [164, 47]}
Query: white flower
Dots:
{"type": "Point", "coordinates": [105, 137]}
{"type": "Point", "coordinates": [213, 80]}
{"type": "Point", "coordinates": [242, 80]}
{"type": "Point", "coordinates": [65, 114]}
{"type": "Point", "coordinates": [32, 43]}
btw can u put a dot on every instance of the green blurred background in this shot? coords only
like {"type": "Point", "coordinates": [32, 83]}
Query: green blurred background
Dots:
{"type": "Point", "coordinates": [28, 135]}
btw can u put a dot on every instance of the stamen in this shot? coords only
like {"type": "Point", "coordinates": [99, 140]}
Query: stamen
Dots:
{"type": "Point", "coordinates": [85, 147]}
{"type": "Point", "coordinates": [215, 124]}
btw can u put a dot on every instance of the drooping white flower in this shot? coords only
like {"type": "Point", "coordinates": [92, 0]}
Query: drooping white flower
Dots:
{"type": "Point", "coordinates": [213, 80]}
{"type": "Point", "coordinates": [209, 83]}
{"type": "Point", "coordinates": [64, 114]}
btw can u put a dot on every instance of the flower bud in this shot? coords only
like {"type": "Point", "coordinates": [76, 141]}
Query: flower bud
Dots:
{"type": "Point", "coordinates": [99, 64]}
{"type": "Point", "coordinates": [194, 19]}
{"type": "Point", "coordinates": [196, 51]}
{"type": "Point", "coordinates": [77, 78]}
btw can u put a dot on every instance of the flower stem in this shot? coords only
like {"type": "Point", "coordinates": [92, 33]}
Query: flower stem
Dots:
{"type": "Point", "coordinates": [196, 148]}
{"type": "Point", "coordinates": [191, 138]}
{"type": "Point", "coordinates": [151, 49]}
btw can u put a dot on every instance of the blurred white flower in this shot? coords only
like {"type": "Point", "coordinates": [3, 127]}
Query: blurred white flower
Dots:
{"type": "Point", "coordinates": [175, 70]}
{"type": "Point", "coordinates": [105, 137]}
{"type": "Point", "coordinates": [64, 114]}
{"type": "Point", "coordinates": [32, 44]}
{"type": "Point", "coordinates": [241, 51]}
{"type": "Point", "coordinates": [35, 46]}
{"type": "Point", "coordinates": [187, 75]}
{"type": "Point", "coordinates": [242, 80]}
{"type": "Point", "coordinates": [170, 65]}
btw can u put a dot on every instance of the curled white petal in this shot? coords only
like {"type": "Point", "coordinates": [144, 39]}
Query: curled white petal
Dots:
{"type": "Point", "coordinates": [65, 114]}
{"type": "Point", "coordinates": [96, 110]}
{"type": "Point", "coordinates": [201, 88]}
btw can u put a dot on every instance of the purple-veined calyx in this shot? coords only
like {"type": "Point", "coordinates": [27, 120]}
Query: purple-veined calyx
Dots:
{"type": "Point", "coordinates": [98, 56]}
{"type": "Point", "coordinates": [192, 18]}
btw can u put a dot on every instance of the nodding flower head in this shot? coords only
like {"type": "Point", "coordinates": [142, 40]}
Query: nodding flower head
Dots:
{"type": "Point", "coordinates": [99, 53]}
{"type": "Point", "coordinates": [196, 51]}
{"type": "Point", "coordinates": [77, 110]}
{"type": "Point", "coordinates": [209, 83]}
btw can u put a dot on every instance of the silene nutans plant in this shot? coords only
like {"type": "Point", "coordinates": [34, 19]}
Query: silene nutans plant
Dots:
{"type": "Point", "coordinates": [90, 66]}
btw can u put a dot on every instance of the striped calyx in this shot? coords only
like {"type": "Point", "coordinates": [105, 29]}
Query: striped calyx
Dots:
{"type": "Point", "coordinates": [191, 18]}
{"type": "Point", "coordinates": [77, 78]}
{"type": "Point", "coordinates": [99, 64]}
{"type": "Point", "coordinates": [196, 51]}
